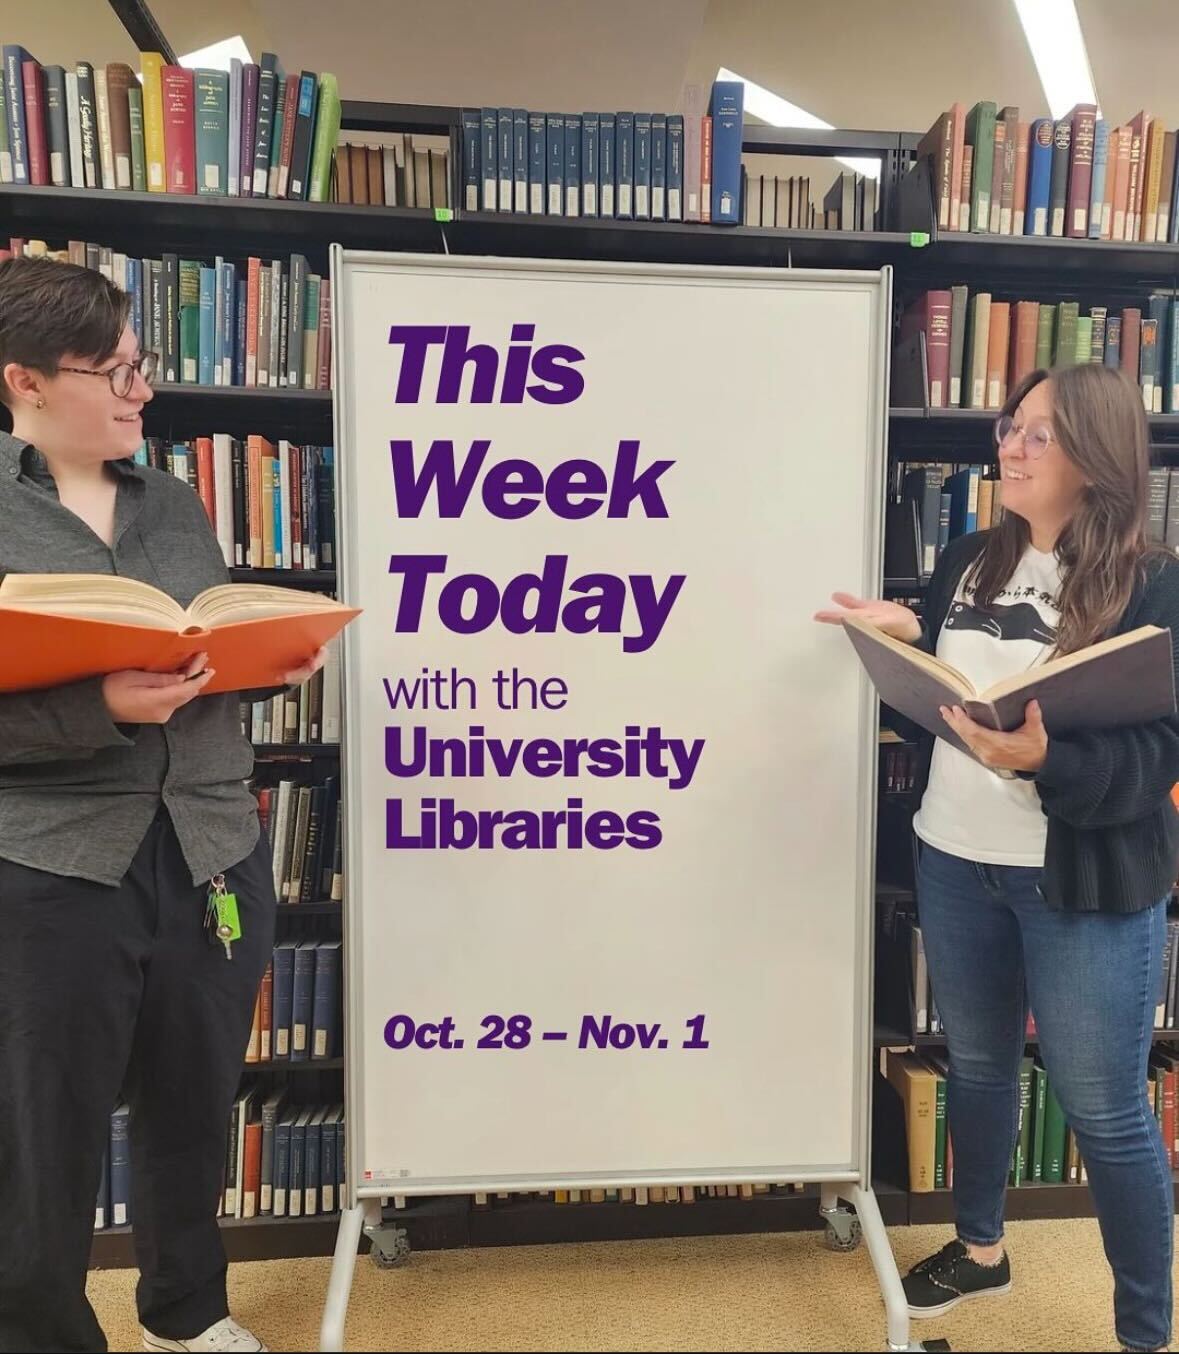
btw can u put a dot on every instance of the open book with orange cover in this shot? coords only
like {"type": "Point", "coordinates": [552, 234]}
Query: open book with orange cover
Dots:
{"type": "Point", "coordinates": [58, 628]}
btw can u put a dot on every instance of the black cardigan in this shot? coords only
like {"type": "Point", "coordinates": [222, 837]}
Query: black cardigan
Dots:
{"type": "Point", "coordinates": [1113, 832]}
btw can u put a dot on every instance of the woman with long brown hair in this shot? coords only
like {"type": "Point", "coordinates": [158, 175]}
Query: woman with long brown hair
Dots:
{"type": "Point", "coordinates": [1045, 863]}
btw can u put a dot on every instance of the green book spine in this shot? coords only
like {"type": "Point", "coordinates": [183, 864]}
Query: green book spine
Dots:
{"type": "Point", "coordinates": [1038, 1125]}
{"type": "Point", "coordinates": [212, 133]}
{"type": "Point", "coordinates": [138, 151]}
{"type": "Point", "coordinates": [327, 133]}
{"type": "Point", "coordinates": [1054, 1127]}
{"type": "Point", "coordinates": [939, 1160]}
{"type": "Point", "coordinates": [1045, 336]}
{"type": "Point", "coordinates": [190, 282]}
{"type": "Point", "coordinates": [980, 133]}
{"type": "Point", "coordinates": [190, 342]}
{"type": "Point", "coordinates": [310, 330]}
{"type": "Point", "coordinates": [1068, 312]}
{"type": "Point", "coordinates": [1084, 352]}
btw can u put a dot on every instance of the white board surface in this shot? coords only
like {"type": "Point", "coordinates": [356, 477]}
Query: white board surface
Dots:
{"type": "Point", "coordinates": [765, 389]}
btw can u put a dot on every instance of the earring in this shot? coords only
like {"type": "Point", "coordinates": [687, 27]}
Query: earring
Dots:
{"type": "Point", "coordinates": [40, 404]}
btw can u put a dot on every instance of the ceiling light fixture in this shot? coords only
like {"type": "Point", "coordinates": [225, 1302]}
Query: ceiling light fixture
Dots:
{"type": "Point", "coordinates": [1054, 36]}
{"type": "Point", "coordinates": [779, 112]}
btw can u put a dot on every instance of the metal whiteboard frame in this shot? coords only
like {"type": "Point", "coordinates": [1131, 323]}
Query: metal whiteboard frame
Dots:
{"type": "Point", "coordinates": [362, 1207]}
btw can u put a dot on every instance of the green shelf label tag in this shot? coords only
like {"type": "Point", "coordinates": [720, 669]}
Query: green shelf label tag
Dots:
{"type": "Point", "coordinates": [918, 239]}
{"type": "Point", "coordinates": [443, 214]}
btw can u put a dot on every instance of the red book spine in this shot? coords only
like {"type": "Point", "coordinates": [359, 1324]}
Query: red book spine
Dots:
{"type": "Point", "coordinates": [38, 141]}
{"type": "Point", "coordinates": [706, 169]}
{"type": "Point", "coordinates": [206, 483]}
{"type": "Point", "coordinates": [179, 130]}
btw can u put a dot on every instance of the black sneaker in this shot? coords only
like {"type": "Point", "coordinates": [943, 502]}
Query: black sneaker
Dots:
{"type": "Point", "coordinates": [944, 1280]}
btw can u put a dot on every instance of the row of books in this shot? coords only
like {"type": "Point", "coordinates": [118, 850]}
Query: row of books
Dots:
{"type": "Point", "coordinates": [271, 507]}
{"type": "Point", "coordinates": [400, 172]}
{"type": "Point", "coordinates": [283, 1160]}
{"type": "Point", "coordinates": [934, 504]}
{"type": "Point", "coordinates": [626, 165]}
{"type": "Point", "coordinates": [251, 131]}
{"type": "Point", "coordinates": [308, 714]}
{"type": "Point", "coordinates": [977, 347]}
{"type": "Point", "coordinates": [305, 826]}
{"type": "Point", "coordinates": [297, 1012]}
{"type": "Point", "coordinates": [112, 1208]}
{"type": "Point", "coordinates": [1078, 177]}
{"type": "Point", "coordinates": [898, 769]}
{"type": "Point", "coordinates": [217, 323]}
{"type": "Point", "coordinates": [640, 1195]}
{"type": "Point", "coordinates": [1046, 1149]}
{"type": "Point", "coordinates": [785, 203]}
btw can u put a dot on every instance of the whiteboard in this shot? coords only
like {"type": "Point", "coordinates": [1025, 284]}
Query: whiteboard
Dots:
{"type": "Point", "coordinates": [743, 895]}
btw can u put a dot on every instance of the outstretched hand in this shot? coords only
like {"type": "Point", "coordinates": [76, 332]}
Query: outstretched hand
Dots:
{"type": "Point", "coordinates": [890, 617]}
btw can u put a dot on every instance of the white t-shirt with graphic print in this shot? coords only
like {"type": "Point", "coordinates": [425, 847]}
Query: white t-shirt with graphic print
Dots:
{"type": "Point", "coordinates": [967, 810]}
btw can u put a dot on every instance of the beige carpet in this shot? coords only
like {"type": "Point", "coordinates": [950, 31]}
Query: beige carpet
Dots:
{"type": "Point", "coordinates": [777, 1292]}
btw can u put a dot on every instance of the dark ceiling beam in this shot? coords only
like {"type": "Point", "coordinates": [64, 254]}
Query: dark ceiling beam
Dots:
{"type": "Point", "coordinates": [141, 25]}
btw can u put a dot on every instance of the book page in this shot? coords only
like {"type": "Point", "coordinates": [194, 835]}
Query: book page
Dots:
{"type": "Point", "coordinates": [230, 603]}
{"type": "Point", "coordinates": [97, 597]}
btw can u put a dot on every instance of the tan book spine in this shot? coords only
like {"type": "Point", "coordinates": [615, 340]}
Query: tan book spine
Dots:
{"type": "Point", "coordinates": [998, 340]}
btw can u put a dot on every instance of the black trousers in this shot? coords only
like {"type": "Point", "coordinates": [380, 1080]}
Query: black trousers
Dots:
{"type": "Point", "coordinates": [106, 989]}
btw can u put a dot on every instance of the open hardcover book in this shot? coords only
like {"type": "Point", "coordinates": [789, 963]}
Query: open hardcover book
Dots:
{"type": "Point", "coordinates": [58, 628]}
{"type": "Point", "coordinates": [1125, 680]}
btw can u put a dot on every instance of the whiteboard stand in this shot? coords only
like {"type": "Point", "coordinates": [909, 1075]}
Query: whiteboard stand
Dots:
{"type": "Point", "coordinates": [793, 507]}
{"type": "Point", "coordinates": [844, 1228]}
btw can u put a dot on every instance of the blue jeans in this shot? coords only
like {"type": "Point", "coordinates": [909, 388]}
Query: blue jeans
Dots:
{"type": "Point", "coordinates": [1093, 979]}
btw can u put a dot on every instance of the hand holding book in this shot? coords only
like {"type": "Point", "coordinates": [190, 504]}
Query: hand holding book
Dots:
{"type": "Point", "coordinates": [1023, 749]}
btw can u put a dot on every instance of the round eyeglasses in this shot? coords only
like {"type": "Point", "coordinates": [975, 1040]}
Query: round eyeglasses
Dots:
{"type": "Point", "coordinates": [122, 377]}
{"type": "Point", "coordinates": [1036, 441]}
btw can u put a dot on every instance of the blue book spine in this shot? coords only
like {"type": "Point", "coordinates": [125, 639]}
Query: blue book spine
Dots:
{"type": "Point", "coordinates": [327, 1168]}
{"type": "Point", "coordinates": [1035, 218]}
{"type": "Point", "coordinates": [282, 1164]}
{"type": "Point", "coordinates": [298, 1165]}
{"type": "Point", "coordinates": [1173, 224]}
{"type": "Point", "coordinates": [472, 132]}
{"type": "Point", "coordinates": [590, 127]}
{"type": "Point", "coordinates": [120, 1156]}
{"type": "Point", "coordinates": [208, 326]}
{"type": "Point", "coordinates": [1113, 341]}
{"type": "Point", "coordinates": [283, 1002]}
{"type": "Point", "coordinates": [658, 167]}
{"type": "Point", "coordinates": [303, 990]}
{"type": "Point", "coordinates": [219, 321]}
{"type": "Point", "coordinates": [141, 456]}
{"type": "Point", "coordinates": [135, 270]}
{"type": "Point", "coordinates": [239, 335]}
{"type": "Point", "coordinates": [728, 111]}
{"type": "Point", "coordinates": [504, 156]}
{"type": "Point", "coordinates": [675, 167]}
{"type": "Point", "coordinates": [606, 162]}
{"type": "Point", "coordinates": [326, 1000]}
{"type": "Point", "coordinates": [555, 169]}
{"type": "Point", "coordinates": [279, 556]}
{"type": "Point", "coordinates": [572, 164]}
{"type": "Point", "coordinates": [642, 166]}
{"type": "Point", "coordinates": [489, 157]}
{"type": "Point", "coordinates": [624, 166]}
{"type": "Point", "coordinates": [537, 163]}
{"type": "Point", "coordinates": [1097, 190]}
{"type": "Point", "coordinates": [1172, 365]}
{"type": "Point", "coordinates": [520, 158]}
{"type": "Point", "coordinates": [311, 1167]}
{"type": "Point", "coordinates": [945, 515]}
{"type": "Point", "coordinates": [227, 287]}
{"type": "Point", "coordinates": [14, 111]}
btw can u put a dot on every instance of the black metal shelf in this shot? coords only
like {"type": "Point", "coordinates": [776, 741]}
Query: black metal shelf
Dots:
{"type": "Point", "coordinates": [272, 1065]}
{"type": "Point", "coordinates": [886, 1036]}
{"type": "Point", "coordinates": [966, 434]}
{"type": "Point", "coordinates": [1026, 1201]}
{"type": "Point", "coordinates": [1019, 258]}
{"type": "Point", "coordinates": [321, 909]}
{"type": "Point", "coordinates": [287, 578]}
{"type": "Point", "coordinates": [295, 751]}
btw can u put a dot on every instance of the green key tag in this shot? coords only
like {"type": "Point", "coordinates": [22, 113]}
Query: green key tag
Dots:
{"type": "Point", "coordinates": [227, 914]}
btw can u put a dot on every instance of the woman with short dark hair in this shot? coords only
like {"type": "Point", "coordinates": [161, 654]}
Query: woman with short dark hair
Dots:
{"type": "Point", "coordinates": [123, 806]}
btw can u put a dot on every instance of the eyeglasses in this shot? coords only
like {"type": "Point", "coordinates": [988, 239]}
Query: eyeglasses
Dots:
{"type": "Point", "coordinates": [1035, 442]}
{"type": "Point", "coordinates": [122, 377]}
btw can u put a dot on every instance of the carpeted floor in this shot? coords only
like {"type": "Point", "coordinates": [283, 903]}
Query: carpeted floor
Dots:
{"type": "Point", "coordinates": [777, 1292]}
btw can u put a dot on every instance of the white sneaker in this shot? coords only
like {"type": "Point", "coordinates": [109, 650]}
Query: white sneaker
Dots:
{"type": "Point", "coordinates": [226, 1335]}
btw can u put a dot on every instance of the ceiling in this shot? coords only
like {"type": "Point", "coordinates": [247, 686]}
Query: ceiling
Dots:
{"type": "Point", "coordinates": [859, 63]}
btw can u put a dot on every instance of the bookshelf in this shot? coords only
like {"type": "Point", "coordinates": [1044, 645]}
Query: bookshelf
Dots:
{"type": "Point", "coordinates": [913, 247]}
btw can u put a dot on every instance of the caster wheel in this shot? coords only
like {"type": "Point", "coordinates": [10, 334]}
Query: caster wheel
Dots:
{"type": "Point", "coordinates": [399, 1255]}
{"type": "Point", "coordinates": [846, 1237]}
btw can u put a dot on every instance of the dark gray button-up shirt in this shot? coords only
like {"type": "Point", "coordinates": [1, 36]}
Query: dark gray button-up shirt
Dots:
{"type": "Point", "coordinates": [77, 791]}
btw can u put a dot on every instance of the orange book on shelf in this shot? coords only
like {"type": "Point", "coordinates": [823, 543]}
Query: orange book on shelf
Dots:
{"type": "Point", "coordinates": [59, 628]}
